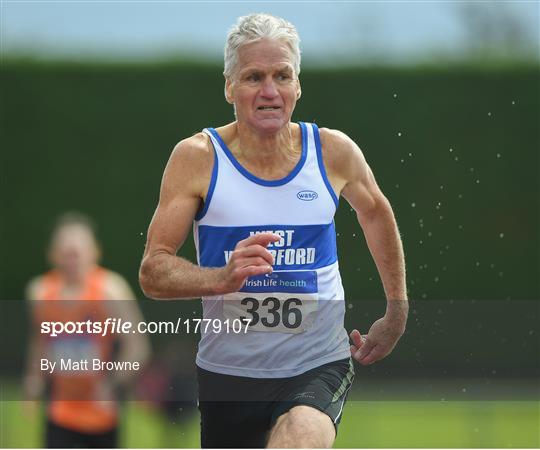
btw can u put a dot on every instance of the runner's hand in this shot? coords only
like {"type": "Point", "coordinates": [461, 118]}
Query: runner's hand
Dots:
{"type": "Point", "coordinates": [378, 343]}
{"type": "Point", "coordinates": [249, 258]}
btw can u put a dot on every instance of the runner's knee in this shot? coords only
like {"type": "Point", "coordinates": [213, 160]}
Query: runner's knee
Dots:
{"type": "Point", "coordinates": [303, 426]}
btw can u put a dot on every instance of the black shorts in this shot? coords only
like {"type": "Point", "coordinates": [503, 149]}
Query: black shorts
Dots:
{"type": "Point", "coordinates": [60, 437]}
{"type": "Point", "coordinates": [238, 412]}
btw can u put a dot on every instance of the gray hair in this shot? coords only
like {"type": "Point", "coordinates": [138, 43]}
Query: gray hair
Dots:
{"type": "Point", "coordinates": [254, 27]}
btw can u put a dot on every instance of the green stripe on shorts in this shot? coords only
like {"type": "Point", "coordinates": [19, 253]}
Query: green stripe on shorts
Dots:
{"type": "Point", "coordinates": [345, 383]}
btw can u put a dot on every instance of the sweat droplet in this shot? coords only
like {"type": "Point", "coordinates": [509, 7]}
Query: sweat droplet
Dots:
{"type": "Point", "coordinates": [489, 114]}
{"type": "Point", "coordinates": [413, 204]}
{"type": "Point", "coordinates": [498, 155]}
{"type": "Point", "coordinates": [399, 133]}
{"type": "Point", "coordinates": [513, 102]}
{"type": "Point", "coordinates": [501, 235]}
{"type": "Point", "coordinates": [395, 96]}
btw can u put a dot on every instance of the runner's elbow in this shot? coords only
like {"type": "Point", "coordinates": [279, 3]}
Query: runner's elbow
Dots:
{"type": "Point", "coordinates": [148, 281]}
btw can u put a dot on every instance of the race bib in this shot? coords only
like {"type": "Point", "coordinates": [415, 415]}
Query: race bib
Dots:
{"type": "Point", "coordinates": [284, 302]}
{"type": "Point", "coordinates": [75, 349]}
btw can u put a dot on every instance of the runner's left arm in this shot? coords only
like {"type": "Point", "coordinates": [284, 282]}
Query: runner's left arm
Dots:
{"type": "Point", "coordinates": [378, 223]}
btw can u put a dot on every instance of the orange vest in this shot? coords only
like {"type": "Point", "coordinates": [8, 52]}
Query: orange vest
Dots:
{"type": "Point", "coordinates": [73, 395]}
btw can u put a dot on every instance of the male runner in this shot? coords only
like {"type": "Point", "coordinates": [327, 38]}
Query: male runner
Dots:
{"type": "Point", "coordinates": [82, 408]}
{"type": "Point", "coordinates": [261, 193]}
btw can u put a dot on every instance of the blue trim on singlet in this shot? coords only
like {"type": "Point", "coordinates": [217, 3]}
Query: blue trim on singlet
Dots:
{"type": "Point", "coordinates": [321, 164]}
{"type": "Point", "coordinates": [311, 247]}
{"type": "Point", "coordinates": [211, 187]}
{"type": "Point", "coordinates": [256, 179]}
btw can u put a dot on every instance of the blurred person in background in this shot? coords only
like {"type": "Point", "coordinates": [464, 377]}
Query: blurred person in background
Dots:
{"type": "Point", "coordinates": [261, 194]}
{"type": "Point", "coordinates": [82, 404]}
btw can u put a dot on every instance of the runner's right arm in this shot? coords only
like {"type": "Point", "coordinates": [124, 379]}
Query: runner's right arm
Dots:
{"type": "Point", "coordinates": [163, 275]}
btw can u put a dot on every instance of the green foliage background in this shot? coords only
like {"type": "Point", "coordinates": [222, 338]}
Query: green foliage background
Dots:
{"type": "Point", "coordinates": [455, 150]}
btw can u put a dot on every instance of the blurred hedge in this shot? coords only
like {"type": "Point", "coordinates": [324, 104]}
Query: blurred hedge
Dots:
{"type": "Point", "coordinates": [455, 150]}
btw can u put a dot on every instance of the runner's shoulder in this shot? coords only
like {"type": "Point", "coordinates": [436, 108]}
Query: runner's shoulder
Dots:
{"type": "Point", "coordinates": [194, 151]}
{"type": "Point", "coordinates": [189, 168]}
{"type": "Point", "coordinates": [339, 151]}
{"type": "Point", "coordinates": [113, 277]}
{"type": "Point", "coordinates": [116, 286]}
{"type": "Point", "coordinates": [33, 287]}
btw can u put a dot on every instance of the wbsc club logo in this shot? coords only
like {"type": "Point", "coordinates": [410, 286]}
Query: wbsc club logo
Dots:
{"type": "Point", "coordinates": [307, 196]}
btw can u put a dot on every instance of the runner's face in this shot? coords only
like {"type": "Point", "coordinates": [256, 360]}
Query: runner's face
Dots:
{"type": "Point", "coordinates": [74, 250]}
{"type": "Point", "coordinates": [264, 87]}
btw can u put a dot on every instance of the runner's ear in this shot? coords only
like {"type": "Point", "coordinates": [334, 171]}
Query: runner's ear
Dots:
{"type": "Point", "coordinates": [229, 91]}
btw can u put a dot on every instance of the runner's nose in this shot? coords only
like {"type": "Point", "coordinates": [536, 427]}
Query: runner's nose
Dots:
{"type": "Point", "coordinates": [269, 89]}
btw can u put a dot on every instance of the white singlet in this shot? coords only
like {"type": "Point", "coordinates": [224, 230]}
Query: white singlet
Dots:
{"type": "Point", "coordinates": [296, 313]}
